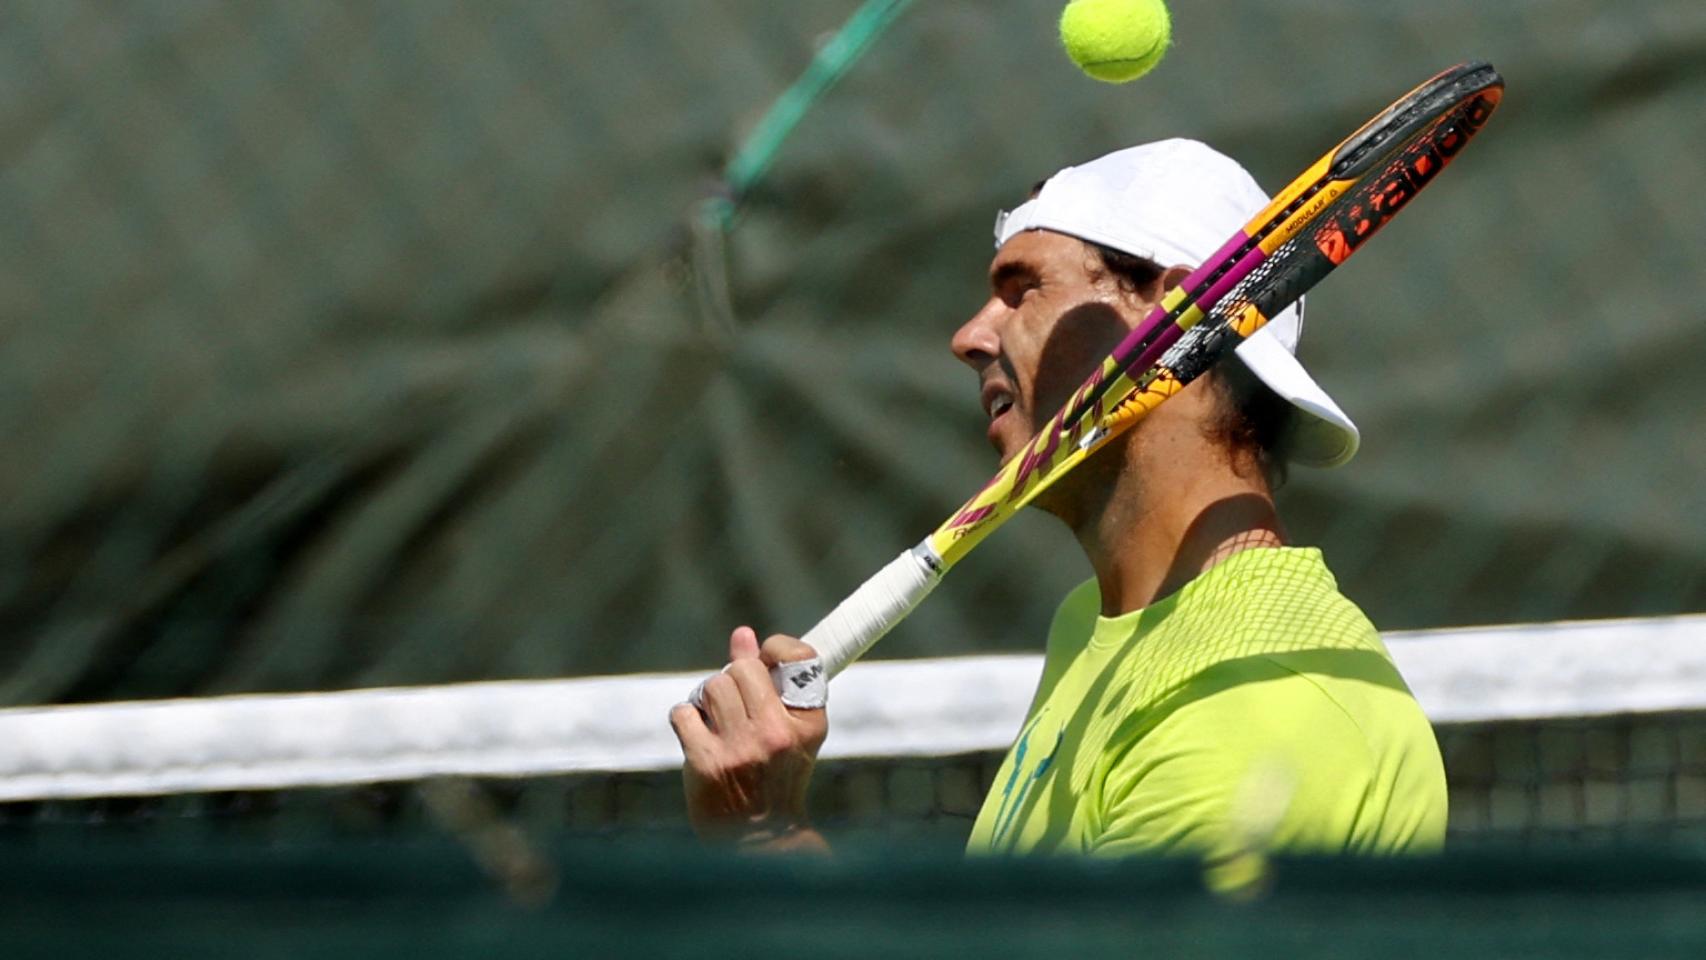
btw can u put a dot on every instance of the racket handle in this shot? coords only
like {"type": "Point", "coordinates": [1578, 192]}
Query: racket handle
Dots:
{"type": "Point", "coordinates": [853, 626]}
{"type": "Point", "coordinates": [872, 610]}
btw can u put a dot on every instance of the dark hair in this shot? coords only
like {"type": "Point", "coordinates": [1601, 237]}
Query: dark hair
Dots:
{"type": "Point", "coordinates": [1252, 418]}
{"type": "Point", "coordinates": [1135, 275]}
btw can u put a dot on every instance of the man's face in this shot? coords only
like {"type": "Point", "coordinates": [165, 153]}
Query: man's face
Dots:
{"type": "Point", "coordinates": [1052, 316]}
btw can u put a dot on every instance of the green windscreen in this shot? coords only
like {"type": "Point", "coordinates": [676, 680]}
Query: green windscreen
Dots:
{"type": "Point", "coordinates": [431, 900]}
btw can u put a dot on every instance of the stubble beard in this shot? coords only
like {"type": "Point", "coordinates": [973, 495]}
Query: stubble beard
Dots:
{"type": "Point", "coordinates": [1083, 496]}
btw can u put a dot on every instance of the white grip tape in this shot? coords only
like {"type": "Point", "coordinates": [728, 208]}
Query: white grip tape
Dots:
{"type": "Point", "coordinates": [802, 685]}
{"type": "Point", "coordinates": [880, 602]}
{"type": "Point", "coordinates": [852, 627]}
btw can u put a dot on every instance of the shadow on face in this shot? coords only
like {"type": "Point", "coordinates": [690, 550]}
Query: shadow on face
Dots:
{"type": "Point", "coordinates": [1079, 341]}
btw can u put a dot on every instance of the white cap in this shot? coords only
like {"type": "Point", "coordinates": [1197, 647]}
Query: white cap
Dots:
{"type": "Point", "coordinates": [1175, 202]}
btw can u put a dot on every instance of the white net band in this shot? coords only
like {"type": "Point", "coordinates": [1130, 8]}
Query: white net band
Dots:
{"type": "Point", "coordinates": [884, 708]}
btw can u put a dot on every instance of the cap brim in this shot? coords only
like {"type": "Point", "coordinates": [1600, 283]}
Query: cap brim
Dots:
{"type": "Point", "coordinates": [1319, 435]}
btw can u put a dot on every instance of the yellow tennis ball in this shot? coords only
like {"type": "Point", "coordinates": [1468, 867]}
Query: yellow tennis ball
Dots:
{"type": "Point", "coordinates": [1115, 40]}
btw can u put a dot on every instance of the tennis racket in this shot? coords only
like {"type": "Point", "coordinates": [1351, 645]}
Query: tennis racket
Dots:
{"type": "Point", "coordinates": [1322, 217]}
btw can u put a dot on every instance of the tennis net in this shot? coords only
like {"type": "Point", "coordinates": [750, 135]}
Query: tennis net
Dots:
{"type": "Point", "coordinates": [1583, 730]}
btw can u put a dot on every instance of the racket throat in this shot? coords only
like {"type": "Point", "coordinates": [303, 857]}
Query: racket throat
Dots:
{"type": "Point", "coordinates": [1092, 437]}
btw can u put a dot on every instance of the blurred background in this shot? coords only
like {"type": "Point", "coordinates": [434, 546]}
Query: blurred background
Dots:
{"type": "Point", "coordinates": [425, 342]}
{"type": "Point", "coordinates": [394, 342]}
{"type": "Point", "coordinates": [391, 343]}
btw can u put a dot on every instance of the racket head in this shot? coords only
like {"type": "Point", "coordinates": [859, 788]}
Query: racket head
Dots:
{"type": "Point", "coordinates": [1335, 234]}
{"type": "Point", "coordinates": [1362, 182]}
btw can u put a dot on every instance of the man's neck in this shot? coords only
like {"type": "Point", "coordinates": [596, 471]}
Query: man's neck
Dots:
{"type": "Point", "coordinates": [1146, 544]}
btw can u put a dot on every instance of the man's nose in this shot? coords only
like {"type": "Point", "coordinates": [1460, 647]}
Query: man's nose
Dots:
{"type": "Point", "coordinates": [978, 342]}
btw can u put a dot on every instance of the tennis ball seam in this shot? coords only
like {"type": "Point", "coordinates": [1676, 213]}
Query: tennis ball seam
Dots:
{"type": "Point", "coordinates": [1099, 63]}
{"type": "Point", "coordinates": [1088, 65]}
{"type": "Point", "coordinates": [1160, 44]}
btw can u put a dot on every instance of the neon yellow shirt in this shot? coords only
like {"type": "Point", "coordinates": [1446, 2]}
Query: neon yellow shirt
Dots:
{"type": "Point", "coordinates": [1254, 707]}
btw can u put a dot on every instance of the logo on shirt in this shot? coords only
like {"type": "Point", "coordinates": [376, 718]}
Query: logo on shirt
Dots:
{"type": "Point", "coordinates": [1019, 783]}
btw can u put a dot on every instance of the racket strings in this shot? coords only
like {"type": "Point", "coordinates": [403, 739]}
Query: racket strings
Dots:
{"type": "Point", "coordinates": [1299, 263]}
{"type": "Point", "coordinates": [1202, 345]}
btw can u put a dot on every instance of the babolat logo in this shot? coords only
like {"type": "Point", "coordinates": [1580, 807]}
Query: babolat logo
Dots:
{"type": "Point", "coordinates": [805, 678]}
{"type": "Point", "coordinates": [1368, 209]}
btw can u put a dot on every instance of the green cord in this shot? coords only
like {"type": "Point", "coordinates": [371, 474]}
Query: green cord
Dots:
{"type": "Point", "coordinates": [755, 156]}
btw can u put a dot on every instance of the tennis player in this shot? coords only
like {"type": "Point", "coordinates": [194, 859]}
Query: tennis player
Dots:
{"type": "Point", "coordinates": [1209, 690]}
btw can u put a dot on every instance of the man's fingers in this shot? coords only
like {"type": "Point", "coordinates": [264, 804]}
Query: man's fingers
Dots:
{"type": "Point", "coordinates": [697, 740]}
{"type": "Point", "coordinates": [724, 703]}
{"type": "Point", "coordinates": [757, 690]}
{"type": "Point", "coordinates": [781, 648]}
{"type": "Point", "coordinates": [743, 644]}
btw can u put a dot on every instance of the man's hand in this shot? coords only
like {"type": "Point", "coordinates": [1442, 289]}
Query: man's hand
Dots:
{"type": "Point", "coordinates": [749, 758]}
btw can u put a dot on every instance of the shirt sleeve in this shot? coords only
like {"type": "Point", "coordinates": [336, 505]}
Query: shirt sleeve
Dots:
{"type": "Point", "coordinates": [1249, 754]}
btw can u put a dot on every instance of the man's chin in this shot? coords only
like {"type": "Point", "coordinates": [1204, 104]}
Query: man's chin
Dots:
{"type": "Point", "coordinates": [1008, 444]}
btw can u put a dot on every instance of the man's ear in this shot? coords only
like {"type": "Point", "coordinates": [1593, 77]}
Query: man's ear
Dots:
{"type": "Point", "coordinates": [1173, 276]}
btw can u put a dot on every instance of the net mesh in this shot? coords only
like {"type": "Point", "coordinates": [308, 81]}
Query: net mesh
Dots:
{"type": "Point", "coordinates": [1584, 782]}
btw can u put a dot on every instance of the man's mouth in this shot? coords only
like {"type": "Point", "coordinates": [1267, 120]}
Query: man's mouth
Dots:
{"type": "Point", "coordinates": [997, 400]}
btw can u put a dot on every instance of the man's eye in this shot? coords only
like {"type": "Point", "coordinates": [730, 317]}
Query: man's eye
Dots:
{"type": "Point", "coordinates": [1014, 290]}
